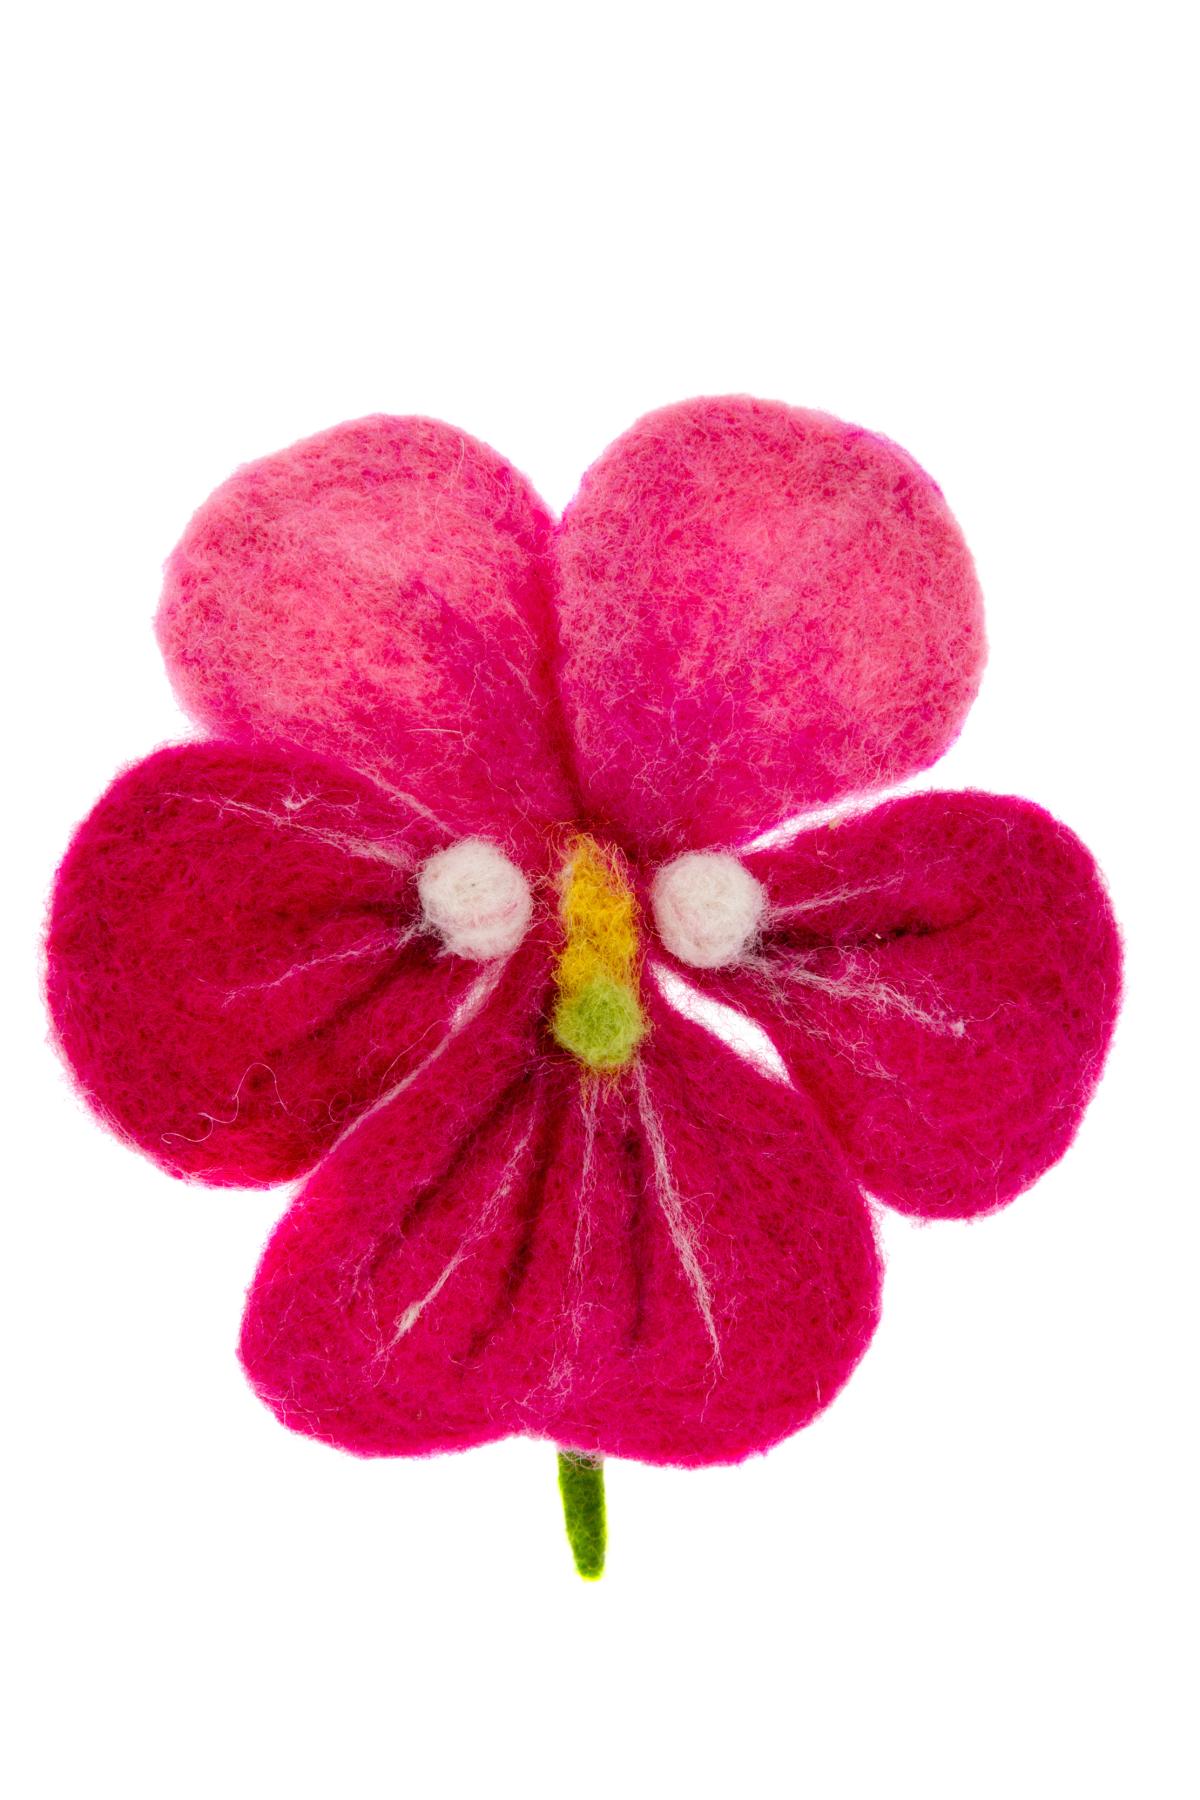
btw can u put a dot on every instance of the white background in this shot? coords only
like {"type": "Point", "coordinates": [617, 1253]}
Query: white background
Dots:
{"type": "Point", "coordinates": [964, 226]}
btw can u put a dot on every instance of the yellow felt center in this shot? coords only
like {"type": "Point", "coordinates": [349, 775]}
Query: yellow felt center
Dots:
{"type": "Point", "coordinates": [598, 1015]}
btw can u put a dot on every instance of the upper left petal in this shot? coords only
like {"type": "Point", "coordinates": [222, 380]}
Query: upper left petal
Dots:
{"type": "Point", "coordinates": [377, 593]}
{"type": "Point", "coordinates": [232, 969]}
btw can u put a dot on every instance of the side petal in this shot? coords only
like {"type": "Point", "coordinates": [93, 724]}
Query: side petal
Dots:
{"type": "Point", "coordinates": [401, 1306]}
{"type": "Point", "coordinates": [723, 1279]}
{"type": "Point", "coordinates": [234, 969]}
{"type": "Point", "coordinates": [943, 975]}
{"type": "Point", "coordinates": [761, 609]}
{"type": "Point", "coordinates": [377, 593]}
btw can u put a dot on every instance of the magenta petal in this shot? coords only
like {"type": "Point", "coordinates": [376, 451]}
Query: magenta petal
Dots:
{"type": "Point", "coordinates": [725, 1279]}
{"type": "Point", "coordinates": [942, 974]}
{"type": "Point", "coordinates": [761, 609]}
{"type": "Point", "coordinates": [400, 1307]}
{"type": "Point", "coordinates": [231, 965]}
{"type": "Point", "coordinates": [672, 1266]}
{"type": "Point", "coordinates": [377, 593]}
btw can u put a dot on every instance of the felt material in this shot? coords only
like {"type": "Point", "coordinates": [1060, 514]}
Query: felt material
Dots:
{"type": "Point", "coordinates": [234, 965]}
{"type": "Point", "coordinates": [399, 1307]}
{"type": "Point", "coordinates": [510, 1246]}
{"type": "Point", "coordinates": [725, 1277]}
{"type": "Point", "coordinates": [708, 908]}
{"type": "Point", "coordinates": [942, 974]}
{"type": "Point", "coordinates": [761, 609]}
{"type": "Point", "coordinates": [376, 593]}
{"type": "Point", "coordinates": [602, 1024]}
{"type": "Point", "coordinates": [476, 899]}
{"type": "Point", "coordinates": [393, 930]}
{"type": "Point", "coordinates": [581, 1484]}
{"type": "Point", "coordinates": [598, 1016]}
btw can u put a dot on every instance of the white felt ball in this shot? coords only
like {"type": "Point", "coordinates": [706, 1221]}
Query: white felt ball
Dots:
{"type": "Point", "coordinates": [707, 906]}
{"type": "Point", "coordinates": [475, 899]}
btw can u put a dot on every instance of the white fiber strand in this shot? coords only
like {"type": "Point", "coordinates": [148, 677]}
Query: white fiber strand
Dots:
{"type": "Point", "coordinates": [466, 1010]}
{"type": "Point", "coordinates": [832, 897]}
{"type": "Point", "coordinates": [876, 996]}
{"type": "Point", "coordinates": [214, 1119]}
{"type": "Point", "coordinates": [378, 946]}
{"type": "Point", "coordinates": [477, 1231]}
{"type": "Point", "coordinates": [367, 849]}
{"type": "Point", "coordinates": [669, 1199]}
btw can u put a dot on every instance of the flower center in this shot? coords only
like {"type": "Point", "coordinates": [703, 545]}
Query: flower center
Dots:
{"type": "Point", "coordinates": [598, 1015]}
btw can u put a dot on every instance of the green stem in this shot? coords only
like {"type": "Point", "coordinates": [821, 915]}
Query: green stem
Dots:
{"type": "Point", "coordinates": [581, 1484]}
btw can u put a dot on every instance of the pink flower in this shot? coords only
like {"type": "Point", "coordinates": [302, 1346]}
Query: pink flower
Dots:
{"type": "Point", "coordinates": [475, 779]}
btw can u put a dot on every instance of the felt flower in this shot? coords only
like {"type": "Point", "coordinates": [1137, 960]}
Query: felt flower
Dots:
{"type": "Point", "coordinates": [474, 780]}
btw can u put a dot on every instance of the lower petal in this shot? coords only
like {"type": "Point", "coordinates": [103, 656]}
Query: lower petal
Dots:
{"type": "Point", "coordinates": [670, 1265]}
{"type": "Point", "coordinates": [724, 1280]}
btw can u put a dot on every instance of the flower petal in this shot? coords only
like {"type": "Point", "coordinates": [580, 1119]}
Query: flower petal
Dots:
{"type": "Point", "coordinates": [761, 609]}
{"type": "Point", "coordinates": [400, 1307]}
{"type": "Point", "coordinates": [234, 972]}
{"type": "Point", "coordinates": [724, 1279]}
{"type": "Point", "coordinates": [376, 593]}
{"type": "Point", "coordinates": [674, 1267]}
{"type": "Point", "coordinates": [942, 974]}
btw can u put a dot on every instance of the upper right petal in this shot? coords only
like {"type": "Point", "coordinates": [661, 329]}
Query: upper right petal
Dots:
{"type": "Point", "coordinates": [235, 968]}
{"type": "Point", "coordinates": [761, 609]}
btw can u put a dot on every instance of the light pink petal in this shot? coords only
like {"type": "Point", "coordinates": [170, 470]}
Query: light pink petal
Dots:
{"type": "Point", "coordinates": [377, 593]}
{"type": "Point", "coordinates": [942, 975]}
{"type": "Point", "coordinates": [761, 609]}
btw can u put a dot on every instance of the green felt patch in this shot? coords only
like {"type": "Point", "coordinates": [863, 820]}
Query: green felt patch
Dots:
{"type": "Point", "coordinates": [602, 1024]}
{"type": "Point", "coordinates": [581, 1484]}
